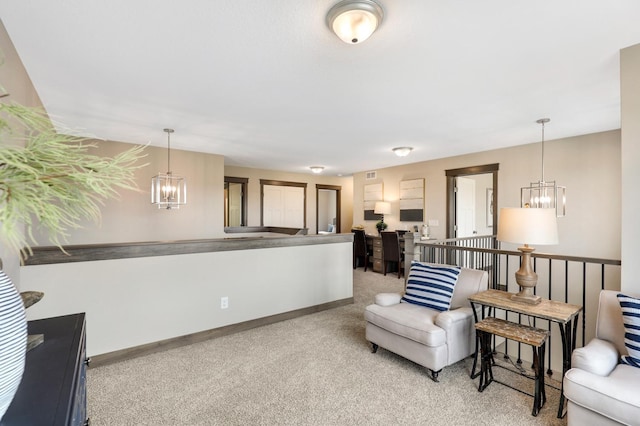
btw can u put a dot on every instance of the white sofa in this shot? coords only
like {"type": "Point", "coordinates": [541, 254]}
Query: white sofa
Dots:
{"type": "Point", "coordinates": [423, 335]}
{"type": "Point", "coordinates": [601, 390]}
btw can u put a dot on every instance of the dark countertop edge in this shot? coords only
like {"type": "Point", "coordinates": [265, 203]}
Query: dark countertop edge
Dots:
{"type": "Point", "coordinates": [275, 229]}
{"type": "Point", "coordinates": [92, 252]}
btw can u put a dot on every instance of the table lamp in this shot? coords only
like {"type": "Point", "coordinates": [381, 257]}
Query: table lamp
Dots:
{"type": "Point", "coordinates": [527, 226]}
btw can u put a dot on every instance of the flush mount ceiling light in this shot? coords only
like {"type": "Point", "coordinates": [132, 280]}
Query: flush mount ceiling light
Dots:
{"type": "Point", "coordinates": [354, 21]}
{"type": "Point", "coordinates": [168, 191]}
{"type": "Point", "coordinates": [316, 169]}
{"type": "Point", "coordinates": [402, 151]}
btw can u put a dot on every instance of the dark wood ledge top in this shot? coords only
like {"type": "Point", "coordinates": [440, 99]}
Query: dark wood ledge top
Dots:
{"type": "Point", "coordinates": [91, 252]}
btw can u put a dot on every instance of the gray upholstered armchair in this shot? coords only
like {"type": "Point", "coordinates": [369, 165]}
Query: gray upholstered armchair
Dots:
{"type": "Point", "coordinates": [424, 335]}
{"type": "Point", "coordinates": [600, 389]}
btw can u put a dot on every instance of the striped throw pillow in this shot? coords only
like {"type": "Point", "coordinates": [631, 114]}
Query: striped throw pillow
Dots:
{"type": "Point", "coordinates": [631, 317]}
{"type": "Point", "coordinates": [431, 286]}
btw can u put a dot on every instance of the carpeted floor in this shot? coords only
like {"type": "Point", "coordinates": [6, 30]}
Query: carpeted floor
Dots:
{"type": "Point", "coordinates": [313, 370]}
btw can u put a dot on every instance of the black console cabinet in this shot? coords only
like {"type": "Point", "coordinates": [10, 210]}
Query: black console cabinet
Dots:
{"type": "Point", "coordinates": [53, 388]}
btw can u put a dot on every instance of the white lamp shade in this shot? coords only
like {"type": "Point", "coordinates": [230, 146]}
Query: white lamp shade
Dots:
{"type": "Point", "coordinates": [382, 207]}
{"type": "Point", "coordinates": [528, 226]}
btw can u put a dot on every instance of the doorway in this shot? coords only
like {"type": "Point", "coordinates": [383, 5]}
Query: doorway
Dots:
{"type": "Point", "coordinates": [472, 194]}
{"type": "Point", "coordinates": [328, 208]}
{"type": "Point", "coordinates": [465, 207]}
{"type": "Point", "coordinates": [235, 201]}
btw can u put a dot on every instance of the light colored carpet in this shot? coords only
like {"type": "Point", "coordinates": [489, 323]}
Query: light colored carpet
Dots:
{"type": "Point", "coordinates": [313, 370]}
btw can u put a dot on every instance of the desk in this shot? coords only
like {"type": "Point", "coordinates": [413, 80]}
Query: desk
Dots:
{"type": "Point", "coordinates": [374, 246]}
{"type": "Point", "coordinates": [566, 315]}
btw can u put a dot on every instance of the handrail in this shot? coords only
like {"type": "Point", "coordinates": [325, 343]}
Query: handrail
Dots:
{"type": "Point", "coordinates": [552, 256]}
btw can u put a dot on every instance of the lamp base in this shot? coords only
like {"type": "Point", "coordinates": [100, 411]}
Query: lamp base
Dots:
{"type": "Point", "coordinates": [526, 298]}
{"type": "Point", "coordinates": [526, 279]}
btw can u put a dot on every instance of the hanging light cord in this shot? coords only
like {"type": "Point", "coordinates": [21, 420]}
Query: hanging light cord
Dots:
{"type": "Point", "coordinates": [543, 121]}
{"type": "Point", "coordinates": [542, 151]}
{"type": "Point", "coordinates": [169, 131]}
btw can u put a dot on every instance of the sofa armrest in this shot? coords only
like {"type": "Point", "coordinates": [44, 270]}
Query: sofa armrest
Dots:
{"type": "Point", "coordinates": [598, 357]}
{"type": "Point", "coordinates": [387, 299]}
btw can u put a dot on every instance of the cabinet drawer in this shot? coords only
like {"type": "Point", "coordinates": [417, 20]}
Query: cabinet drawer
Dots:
{"type": "Point", "coordinates": [377, 242]}
{"type": "Point", "coordinates": [377, 265]}
{"type": "Point", "coordinates": [377, 252]}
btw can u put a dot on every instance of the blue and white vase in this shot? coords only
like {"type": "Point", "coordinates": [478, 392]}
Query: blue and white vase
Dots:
{"type": "Point", "coordinates": [13, 341]}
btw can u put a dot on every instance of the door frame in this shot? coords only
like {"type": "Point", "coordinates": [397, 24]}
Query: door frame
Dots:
{"type": "Point", "coordinates": [245, 197]}
{"type": "Point", "coordinates": [271, 182]}
{"type": "Point", "coordinates": [338, 190]}
{"type": "Point", "coordinates": [451, 175]}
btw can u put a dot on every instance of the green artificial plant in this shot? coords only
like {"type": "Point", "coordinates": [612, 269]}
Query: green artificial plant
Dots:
{"type": "Point", "coordinates": [50, 180]}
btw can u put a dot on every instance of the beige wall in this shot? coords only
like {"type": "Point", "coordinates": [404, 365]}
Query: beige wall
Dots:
{"type": "Point", "coordinates": [254, 176]}
{"type": "Point", "coordinates": [132, 217]}
{"type": "Point", "coordinates": [589, 166]}
{"type": "Point", "coordinates": [630, 90]}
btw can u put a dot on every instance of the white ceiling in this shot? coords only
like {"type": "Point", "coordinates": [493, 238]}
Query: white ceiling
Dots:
{"type": "Point", "coordinates": [268, 85]}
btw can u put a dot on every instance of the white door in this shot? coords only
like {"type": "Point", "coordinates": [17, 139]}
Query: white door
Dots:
{"type": "Point", "coordinates": [283, 206]}
{"type": "Point", "coordinates": [293, 207]}
{"type": "Point", "coordinates": [234, 207]}
{"type": "Point", "coordinates": [465, 207]}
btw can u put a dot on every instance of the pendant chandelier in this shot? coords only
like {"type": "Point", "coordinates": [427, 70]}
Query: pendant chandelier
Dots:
{"type": "Point", "coordinates": [543, 194]}
{"type": "Point", "coordinates": [168, 191]}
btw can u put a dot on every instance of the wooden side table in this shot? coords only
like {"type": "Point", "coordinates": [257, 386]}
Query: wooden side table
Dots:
{"type": "Point", "coordinates": [534, 337]}
{"type": "Point", "coordinates": [564, 314]}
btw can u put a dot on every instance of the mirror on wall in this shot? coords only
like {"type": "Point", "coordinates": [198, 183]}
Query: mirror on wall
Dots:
{"type": "Point", "coordinates": [235, 201]}
{"type": "Point", "coordinates": [328, 209]}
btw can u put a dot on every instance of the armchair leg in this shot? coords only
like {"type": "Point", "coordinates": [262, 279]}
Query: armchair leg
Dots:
{"type": "Point", "coordinates": [374, 348]}
{"type": "Point", "coordinates": [434, 375]}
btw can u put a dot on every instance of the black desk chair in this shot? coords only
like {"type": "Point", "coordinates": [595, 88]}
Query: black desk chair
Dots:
{"type": "Point", "coordinates": [360, 249]}
{"type": "Point", "coordinates": [391, 252]}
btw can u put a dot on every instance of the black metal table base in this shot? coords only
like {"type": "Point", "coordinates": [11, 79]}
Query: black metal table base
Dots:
{"type": "Point", "coordinates": [486, 371]}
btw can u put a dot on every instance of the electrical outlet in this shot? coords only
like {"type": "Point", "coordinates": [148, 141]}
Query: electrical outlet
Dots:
{"type": "Point", "coordinates": [224, 302]}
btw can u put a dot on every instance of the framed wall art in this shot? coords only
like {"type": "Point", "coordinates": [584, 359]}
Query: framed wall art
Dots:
{"type": "Point", "coordinates": [412, 200]}
{"type": "Point", "coordinates": [372, 193]}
